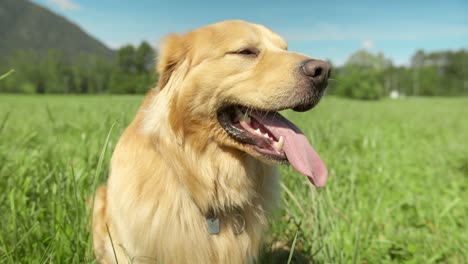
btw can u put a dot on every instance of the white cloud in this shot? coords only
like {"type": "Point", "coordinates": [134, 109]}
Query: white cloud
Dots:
{"type": "Point", "coordinates": [367, 44]}
{"type": "Point", "coordinates": [67, 5]}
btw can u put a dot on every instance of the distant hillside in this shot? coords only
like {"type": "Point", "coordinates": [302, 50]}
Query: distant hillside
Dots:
{"type": "Point", "coordinates": [25, 25]}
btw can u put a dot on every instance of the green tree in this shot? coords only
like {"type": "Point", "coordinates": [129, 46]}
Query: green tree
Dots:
{"type": "Point", "coordinates": [135, 74]}
{"type": "Point", "coordinates": [440, 73]}
{"type": "Point", "coordinates": [362, 76]}
{"type": "Point", "coordinates": [366, 60]}
{"type": "Point", "coordinates": [359, 84]}
{"type": "Point", "coordinates": [127, 59]}
{"type": "Point", "coordinates": [144, 58]}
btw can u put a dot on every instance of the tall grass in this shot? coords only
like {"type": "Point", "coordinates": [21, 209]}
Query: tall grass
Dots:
{"type": "Point", "coordinates": [396, 192]}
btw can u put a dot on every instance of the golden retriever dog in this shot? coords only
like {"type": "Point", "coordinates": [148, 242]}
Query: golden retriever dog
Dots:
{"type": "Point", "coordinates": [193, 177]}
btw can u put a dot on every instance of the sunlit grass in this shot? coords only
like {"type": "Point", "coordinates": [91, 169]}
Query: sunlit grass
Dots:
{"type": "Point", "coordinates": [396, 192]}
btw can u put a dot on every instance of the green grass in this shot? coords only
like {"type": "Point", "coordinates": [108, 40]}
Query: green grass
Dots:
{"type": "Point", "coordinates": [397, 190]}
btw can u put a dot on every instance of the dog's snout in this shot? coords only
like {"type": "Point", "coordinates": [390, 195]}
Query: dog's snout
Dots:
{"type": "Point", "coordinates": [317, 70]}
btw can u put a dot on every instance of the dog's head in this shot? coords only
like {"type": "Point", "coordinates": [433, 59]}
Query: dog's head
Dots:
{"type": "Point", "coordinates": [227, 81]}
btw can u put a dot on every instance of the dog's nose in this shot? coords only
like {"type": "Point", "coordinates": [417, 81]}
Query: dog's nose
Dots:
{"type": "Point", "coordinates": [318, 71]}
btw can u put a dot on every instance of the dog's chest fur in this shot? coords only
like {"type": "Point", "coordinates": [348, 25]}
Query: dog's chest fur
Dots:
{"type": "Point", "coordinates": [162, 212]}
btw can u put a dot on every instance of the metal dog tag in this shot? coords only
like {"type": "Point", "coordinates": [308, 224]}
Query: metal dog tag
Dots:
{"type": "Point", "coordinates": [213, 225]}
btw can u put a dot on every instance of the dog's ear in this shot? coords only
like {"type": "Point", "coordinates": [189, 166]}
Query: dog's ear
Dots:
{"type": "Point", "coordinates": [172, 53]}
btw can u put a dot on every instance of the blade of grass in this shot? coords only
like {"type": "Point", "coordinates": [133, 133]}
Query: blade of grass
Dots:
{"type": "Point", "coordinates": [7, 252]}
{"type": "Point", "coordinates": [293, 246]}
{"type": "Point", "coordinates": [6, 74]}
{"type": "Point", "coordinates": [290, 194]}
{"type": "Point", "coordinates": [95, 180]}
{"type": "Point", "coordinates": [7, 115]}
{"type": "Point", "coordinates": [49, 114]}
{"type": "Point", "coordinates": [112, 244]}
{"type": "Point", "coordinates": [357, 246]}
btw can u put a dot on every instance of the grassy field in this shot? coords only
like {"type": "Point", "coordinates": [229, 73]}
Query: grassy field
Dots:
{"type": "Point", "coordinates": [397, 191]}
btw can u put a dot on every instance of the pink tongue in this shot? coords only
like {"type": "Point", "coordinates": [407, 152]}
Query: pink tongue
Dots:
{"type": "Point", "coordinates": [299, 152]}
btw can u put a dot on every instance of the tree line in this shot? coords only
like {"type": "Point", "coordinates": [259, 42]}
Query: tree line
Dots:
{"type": "Point", "coordinates": [370, 76]}
{"type": "Point", "coordinates": [365, 75]}
{"type": "Point", "coordinates": [130, 72]}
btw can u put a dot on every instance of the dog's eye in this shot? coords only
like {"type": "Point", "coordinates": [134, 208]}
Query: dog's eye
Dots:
{"type": "Point", "coordinates": [247, 52]}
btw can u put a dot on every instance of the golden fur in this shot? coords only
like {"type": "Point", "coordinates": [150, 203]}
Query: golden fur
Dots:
{"type": "Point", "coordinates": [174, 163]}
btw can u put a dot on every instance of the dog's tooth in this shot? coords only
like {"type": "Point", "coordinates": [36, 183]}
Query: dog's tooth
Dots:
{"type": "Point", "coordinates": [279, 144]}
{"type": "Point", "coordinates": [257, 131]}
{"type": "Point", "coordinates": [266, 135]}
{"type": "Point", "coordinates": [246, 118]}
{"type": "Point", "coordinates": [238, 114]}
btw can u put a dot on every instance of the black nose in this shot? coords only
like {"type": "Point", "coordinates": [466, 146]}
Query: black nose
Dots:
{"type": "Point", "coordinates": [317, 70]}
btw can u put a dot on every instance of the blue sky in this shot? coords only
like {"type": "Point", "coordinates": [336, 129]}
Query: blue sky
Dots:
{"type": "Point", "coordinates": [325, 29]}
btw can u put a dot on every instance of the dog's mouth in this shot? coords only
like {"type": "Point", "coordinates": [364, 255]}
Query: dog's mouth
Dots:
{"type": "Point", "coordinates": [273, 138]}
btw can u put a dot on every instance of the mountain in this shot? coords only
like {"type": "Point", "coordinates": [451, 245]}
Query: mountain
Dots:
{"type": "Point", "coordinates": [25, 25]}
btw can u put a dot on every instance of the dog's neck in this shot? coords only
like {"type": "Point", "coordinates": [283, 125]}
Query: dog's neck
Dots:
{"type": "Point", "coordinates": [226, 185]}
